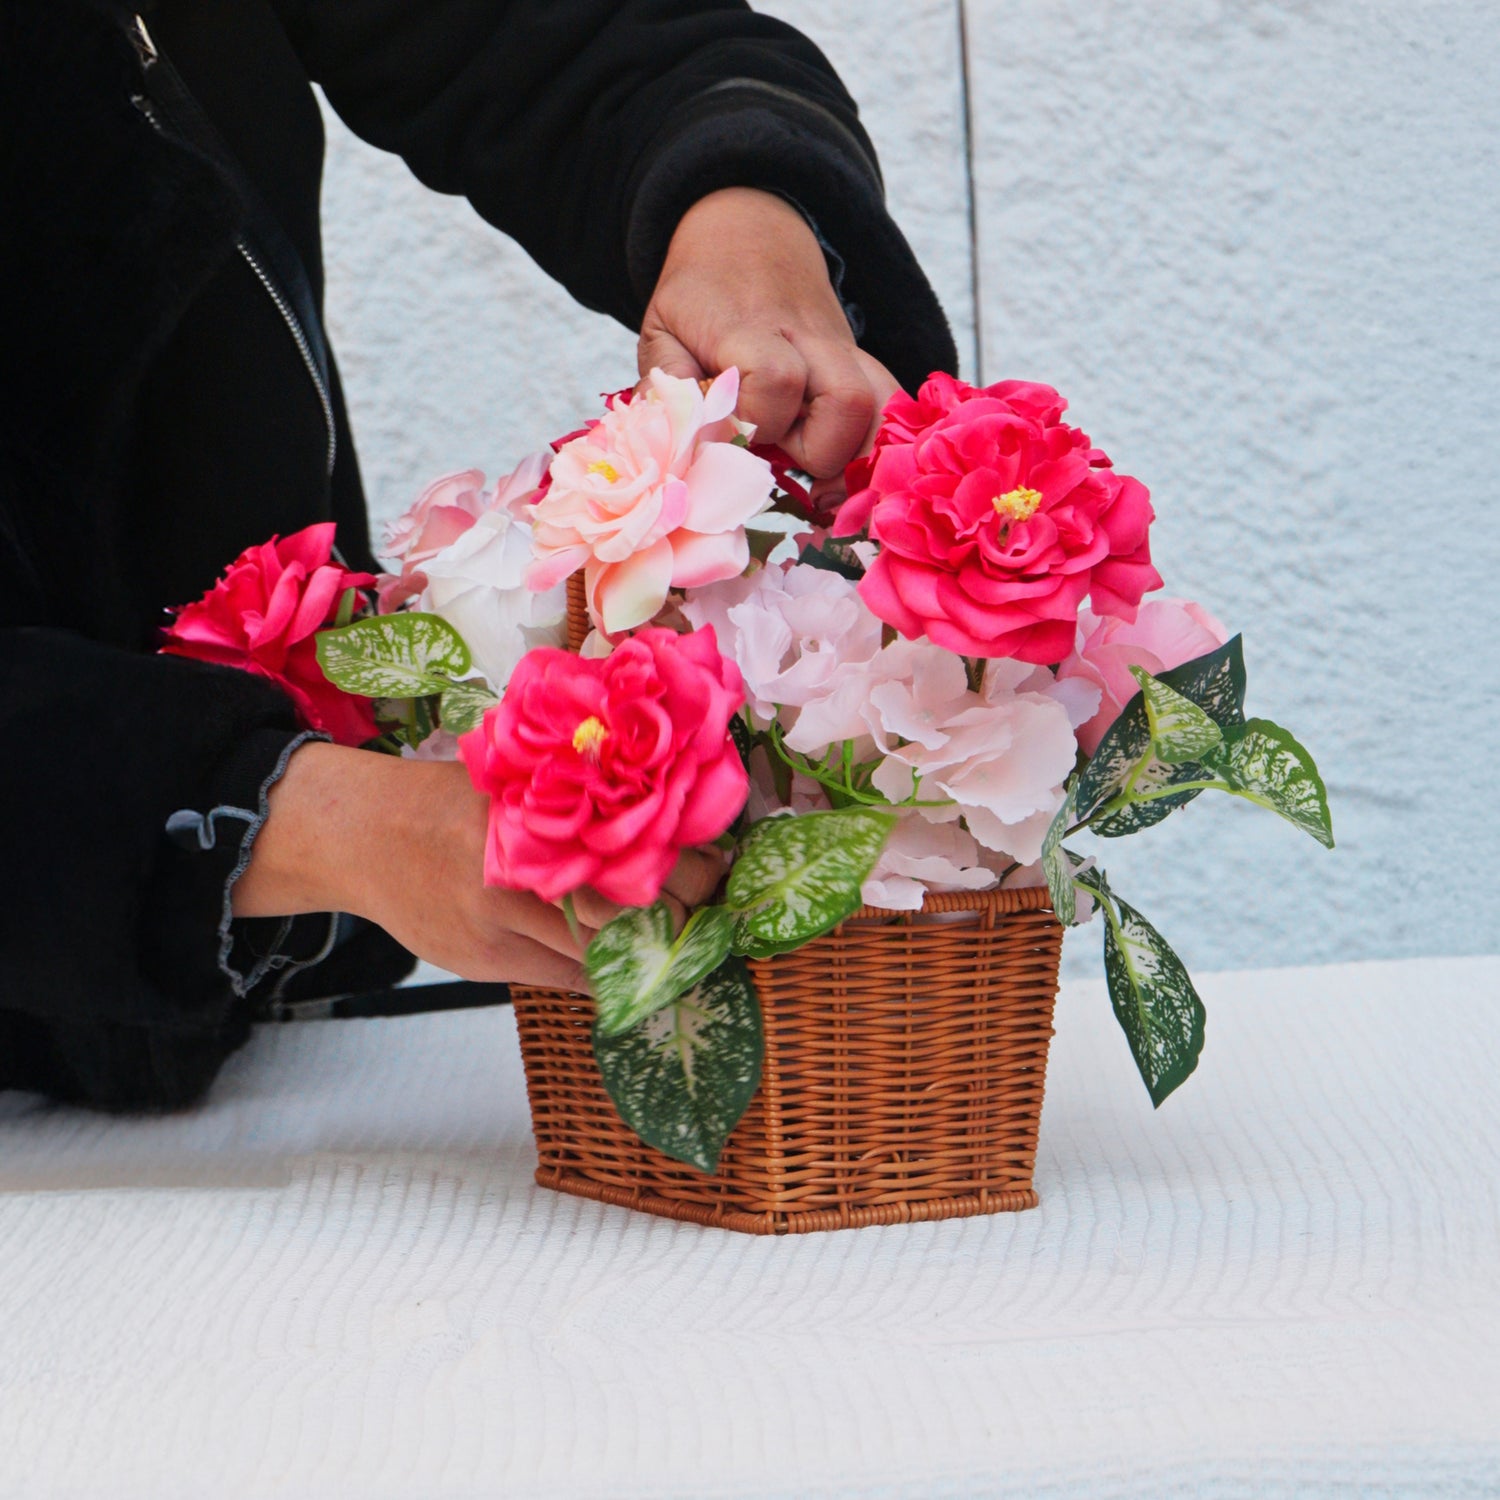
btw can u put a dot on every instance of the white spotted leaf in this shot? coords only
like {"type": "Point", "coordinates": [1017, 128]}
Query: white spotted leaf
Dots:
{"type": "Point", "coordinates": [1261, 761]}
{"type": "Point", "coordinates": [1153, 998]}
{"type": "Point", "coordinates": [394, 656]}
{"type": "Point", "coordinates": [464, 705]}
{"type": "Point", "coordinates": [1180, 731]}
{"type": "Point", "coordinates": [636, 966]}
{"type": "Point", "coordinates": [797, 877]}
{"type": "Point", "coordinates": [682, 1078]}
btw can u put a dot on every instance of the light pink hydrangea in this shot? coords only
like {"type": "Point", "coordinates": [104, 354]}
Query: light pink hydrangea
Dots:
{"type": "Point", "coordinates": [793, 632]}
{"type": "Point", "coordinates": [1001, 754]}
{"type": "Point", "coordinates": [654, 496]}
{"type": "Point", "coordinates": [922, 856]}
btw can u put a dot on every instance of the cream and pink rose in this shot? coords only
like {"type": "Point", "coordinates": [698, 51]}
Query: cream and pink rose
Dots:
{"type": "Point", "coordinates": [600, 771]}
{"type": "Point", "coordinates": [654, 496]}
{"type": "Point", "coordinates": [1164, 634]}
{"type": "Point", "coordinates": [995, 520]}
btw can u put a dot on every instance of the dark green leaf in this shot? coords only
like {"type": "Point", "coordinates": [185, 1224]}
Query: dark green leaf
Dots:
{"type": "Point", "coordinates": [1152, 995]}
{"type": "Point", "coordinates": [1261, 761]}
{"type": "Point", "coordinates": [682, 1078]}
{"type": "Point", "coordinates": [1055, 862]}
{"type": "Point", "coordinates": [1216, 683]}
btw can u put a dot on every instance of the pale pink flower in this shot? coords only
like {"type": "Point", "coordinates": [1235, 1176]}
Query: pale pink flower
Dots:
{"type": "Point", "coordinates": [921, 856]}
{"type": "Point", "coordinates": [441, 514]}
{"type": "Point", "coordinates": [1164, 634]}
{"type": "Point", "coordinates": [436, 519]}
{"type": "Point", "coordinates": [792, 632]}
{"type": "Point", "coordinates": [1001, 755]}
{"type": "Point", "coordinates": [654, 496]}
{"type": "Point", "coordinates": [478, 586]}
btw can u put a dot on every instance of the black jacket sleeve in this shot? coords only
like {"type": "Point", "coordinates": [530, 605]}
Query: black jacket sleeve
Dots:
{"type": "Point", "coordinates": [586, 128]}
{"type": "Point", "coordinates": [112, 989]}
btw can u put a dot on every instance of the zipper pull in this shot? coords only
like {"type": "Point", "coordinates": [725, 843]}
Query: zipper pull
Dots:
{"type": "Point", "coordinates": [145, 47]}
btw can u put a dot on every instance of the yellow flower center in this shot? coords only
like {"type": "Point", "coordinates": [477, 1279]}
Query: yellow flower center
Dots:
{"type": "Point", "coordinates": [589, 736]}
{"type": "Point", "coordinates": [607, 469]}
{"type": "Point", "coordinates": [1018, 505]}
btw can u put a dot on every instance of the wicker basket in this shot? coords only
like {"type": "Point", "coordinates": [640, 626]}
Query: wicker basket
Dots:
{"type": "Point", "coordinates": [904, 1066]}
{"type": "Point", "coordinates": [905, 1061]}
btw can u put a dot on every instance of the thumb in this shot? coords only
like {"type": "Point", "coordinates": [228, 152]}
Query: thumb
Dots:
{"type": "Point", "coordinates": [659, 350]}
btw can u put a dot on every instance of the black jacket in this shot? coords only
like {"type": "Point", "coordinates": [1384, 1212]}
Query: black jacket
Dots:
{"type": "Point", "coordinates": [158, 418]}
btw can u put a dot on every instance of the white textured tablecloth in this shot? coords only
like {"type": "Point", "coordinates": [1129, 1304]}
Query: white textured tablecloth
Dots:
{"type": "Point", "coordinates": [338, 1279]}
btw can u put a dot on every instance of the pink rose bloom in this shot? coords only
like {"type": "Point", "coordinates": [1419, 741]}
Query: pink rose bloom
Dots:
{"type": "Point", "coordinates": [263, 616]}
{"type": "Point", "coordinates": [995, 520]}
{"type": "Point", "coordinates": [441, 514]}
{"type": "Point", "coordinates": [1164, 634]}
{"type": "Point", "coordinates": [600, 771]}
{"type": "Point", "coordinates": [654, 496]}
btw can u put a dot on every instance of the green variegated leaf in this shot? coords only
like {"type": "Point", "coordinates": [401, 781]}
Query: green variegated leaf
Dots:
{"type": "Point", "coordinates": [682, 1078]}
{"type": "Point", "coordinates": [635, 965]}
{"type": "Point", "coordinates": [1152, 777]}
{"type": "Point", "coordinates": [1215, 682]}
{"type": "Point", "coordinates": [393, 656]}
{"type": "Point", "coordinates": [1180, 731]}
{"type": "Point", "coordinates": [797, 877]}
{"type": "Point", "coordinates": [1057, 866]}
{"type": "Point", "coordinates": [1260, 761]}
{"type": "Point", "coordinates": [464, 706]}
{"type": "Point", "coordinates": [1152, 995]}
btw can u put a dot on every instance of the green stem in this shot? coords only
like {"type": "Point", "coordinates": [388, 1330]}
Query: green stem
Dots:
{"type": "Point", "coordinates": [570, 912]}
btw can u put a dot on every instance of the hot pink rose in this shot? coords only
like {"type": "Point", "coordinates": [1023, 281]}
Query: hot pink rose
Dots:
{"type": "Point", "coordinates": [262, 617]}
{"type": "Point", "coordinates": [995, 520]}
{"type": "Point", "coordinates": [600, 770]}
{"type": "Point", "coordinates": [654, 496]}
{"type": "Point", "coordinates": [1164, 634]}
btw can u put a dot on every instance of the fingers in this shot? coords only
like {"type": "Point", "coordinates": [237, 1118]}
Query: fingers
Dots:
{"type": "Point", "coordinates": [696, 876]}
{"type": "Point", "coordinates": [840, 408]}
{"type": "Point", "coordinates": [773, 380]}
{"type": "Point", "coordinates": [658, 349]}
{"type": "Point", "coordinates": [522, 961]}
{"type": "Point", "coordinates": [592, 910]}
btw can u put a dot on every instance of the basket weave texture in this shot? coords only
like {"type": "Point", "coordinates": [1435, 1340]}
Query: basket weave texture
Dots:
{"type": "Point", "coordinates": [904, 1066]}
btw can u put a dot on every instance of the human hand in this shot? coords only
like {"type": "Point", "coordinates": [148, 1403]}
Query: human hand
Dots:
{"type": "Point", "coordinates": [745, 283]}
{"type": "Point", "coordinates": [402, 844]}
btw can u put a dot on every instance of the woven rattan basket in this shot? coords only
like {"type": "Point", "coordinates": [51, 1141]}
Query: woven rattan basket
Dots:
{"type": "Point", "coordinates": [904, 1065]}
{"type": "Point", "coordinates": [905, 1060]}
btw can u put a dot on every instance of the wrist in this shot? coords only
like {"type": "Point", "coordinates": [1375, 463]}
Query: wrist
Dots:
{"type": "Point", "coordinates": [318, 840]}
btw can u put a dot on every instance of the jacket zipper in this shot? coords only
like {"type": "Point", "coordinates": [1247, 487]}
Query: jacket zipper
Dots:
{"type": "Point", "coordinates": [149, 56]}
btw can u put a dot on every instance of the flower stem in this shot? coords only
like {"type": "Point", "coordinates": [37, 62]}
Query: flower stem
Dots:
{"type": "Point", "coordinates": [570, 912]}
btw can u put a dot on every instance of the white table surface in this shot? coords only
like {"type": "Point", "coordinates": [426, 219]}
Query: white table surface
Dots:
{"type": "Point", "coordinates": [337, 1278]}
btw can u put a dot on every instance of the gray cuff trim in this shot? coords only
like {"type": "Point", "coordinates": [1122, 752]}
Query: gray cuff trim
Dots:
{"type": "Point", "coordinates": [275, 960]}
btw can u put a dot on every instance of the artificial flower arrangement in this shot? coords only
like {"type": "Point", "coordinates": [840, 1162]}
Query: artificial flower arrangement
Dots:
{"type": "Point", "coordinates": [929, 695]}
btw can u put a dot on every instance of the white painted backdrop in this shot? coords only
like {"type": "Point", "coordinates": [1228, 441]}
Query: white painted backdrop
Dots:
{"type": "Point", "coordinates": [1254, 242]}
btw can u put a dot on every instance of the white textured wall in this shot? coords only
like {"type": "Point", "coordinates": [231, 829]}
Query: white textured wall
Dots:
{"type": "Point", "coordinates": [1254, 242]}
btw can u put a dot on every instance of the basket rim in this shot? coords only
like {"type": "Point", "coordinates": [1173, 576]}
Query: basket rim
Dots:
{"type": "Point", "coordinates": [1000, 902]}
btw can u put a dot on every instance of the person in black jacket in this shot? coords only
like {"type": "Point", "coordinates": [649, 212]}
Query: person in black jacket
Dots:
{"type": "Point", "coordinates": [171, 843]}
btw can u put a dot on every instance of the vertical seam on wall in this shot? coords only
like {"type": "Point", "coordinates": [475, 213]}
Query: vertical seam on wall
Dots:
{"type": "Point", "coordinates": [976, 303]}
